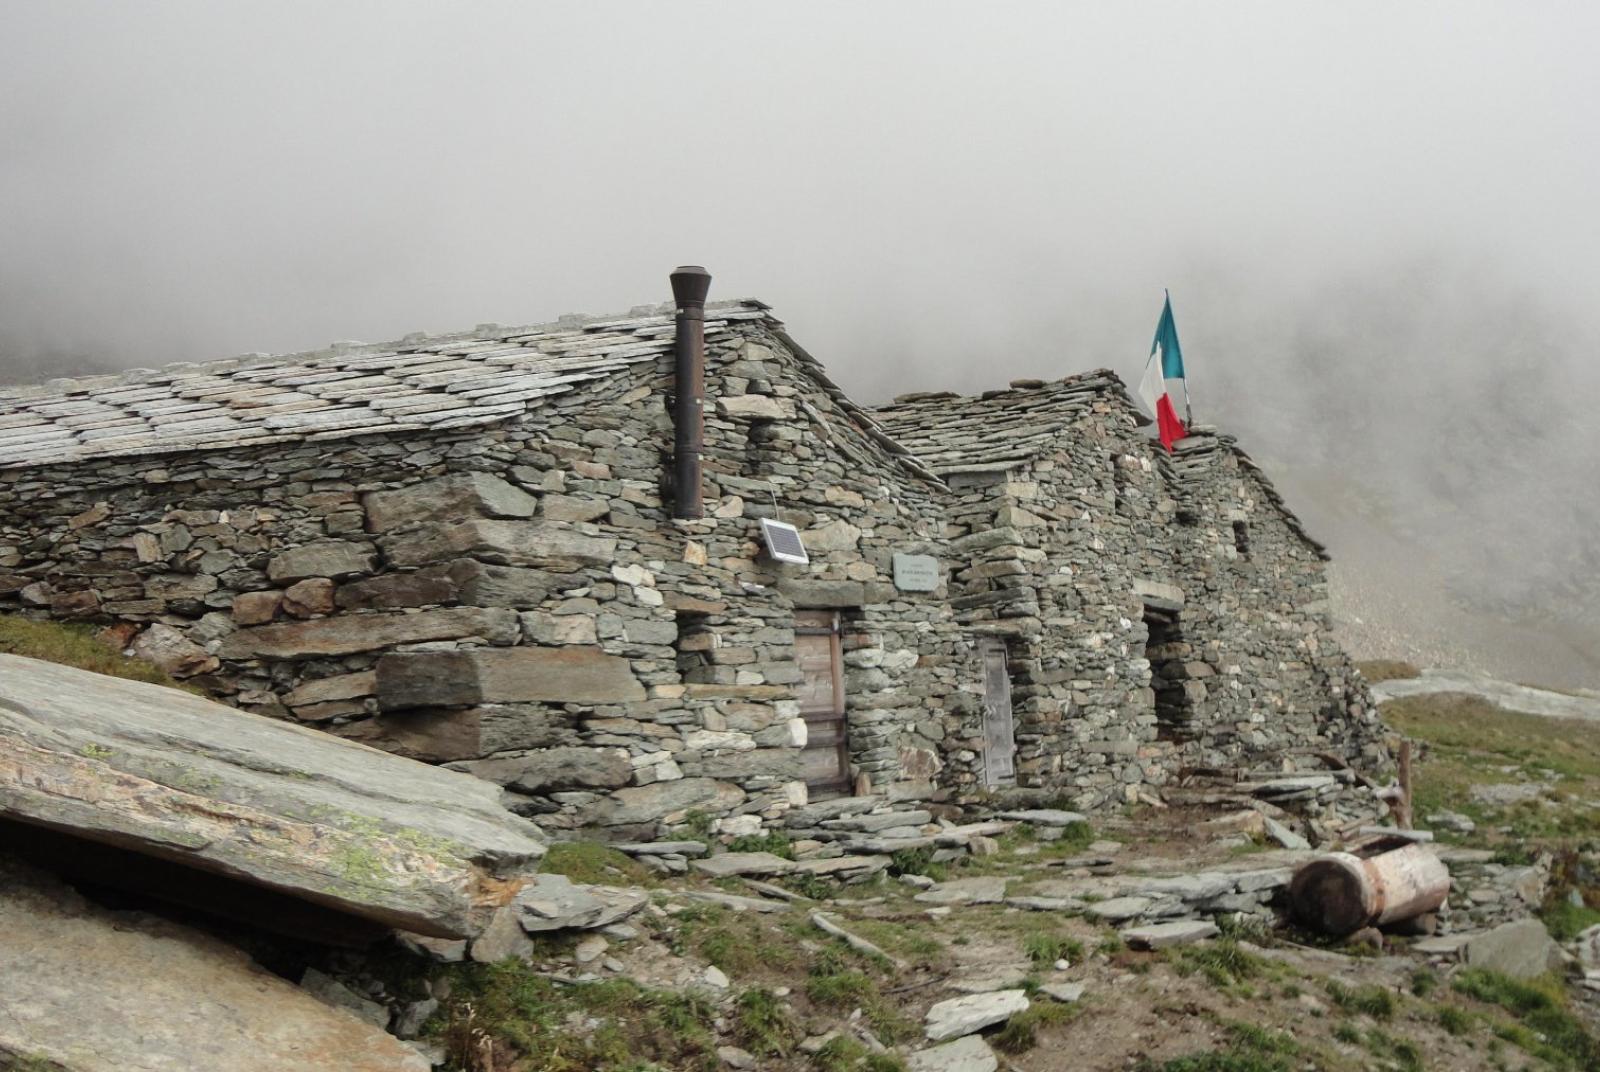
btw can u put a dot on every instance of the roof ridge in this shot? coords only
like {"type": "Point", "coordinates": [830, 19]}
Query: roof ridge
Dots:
{"type": "Point", "coordinates": [485, 332]}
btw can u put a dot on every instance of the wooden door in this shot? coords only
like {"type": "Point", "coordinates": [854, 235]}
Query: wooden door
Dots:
{"type": "Point", "coordinates": [821, 690]}
{"type": "Point", "coordinates": [999, 735]}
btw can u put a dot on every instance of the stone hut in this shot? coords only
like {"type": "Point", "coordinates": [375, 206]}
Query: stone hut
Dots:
{"type": "Point", "coordinates": [462, 549]}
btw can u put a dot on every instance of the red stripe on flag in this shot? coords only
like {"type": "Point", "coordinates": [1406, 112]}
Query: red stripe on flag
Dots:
{"type": "Point", "coordinates": [1168, 425]}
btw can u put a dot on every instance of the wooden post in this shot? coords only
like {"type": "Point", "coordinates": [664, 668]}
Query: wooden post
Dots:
{"type": "Point", "coordinates": [1340, 893]}
{"type": "Point", "coordinates": [1405, 818]}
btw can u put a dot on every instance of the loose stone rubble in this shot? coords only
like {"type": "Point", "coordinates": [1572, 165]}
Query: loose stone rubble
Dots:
{"type": "Point", "coordinates": [460, 549]}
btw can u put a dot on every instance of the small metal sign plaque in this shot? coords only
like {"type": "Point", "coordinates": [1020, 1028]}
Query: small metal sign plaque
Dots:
{"type": "Point", "coordinates": [916, 573]}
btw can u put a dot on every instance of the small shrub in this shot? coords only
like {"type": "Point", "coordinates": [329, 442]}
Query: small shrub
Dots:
{"type": "Point", "coordinates": [1453, 1020]}
{"type": "Point", "coordinates": [808, 885]}
{"type": "Point", "coordinates": [1369, 1000]}
{"type": "Point", "coordinates": [1021, 1032]}
{"type": "Point", "coordinates": [1045, 949]}
{"type": "Point", "coordinates": [1424, 980]}
{"type": "Point", "coordinates": [772, 841]}
{"type": "Point", "coordinates": [697, 825]}
{"type": "Point", "coordinates": [1223, 962]}
{"type": "Point", "coordinates": [916, 862]}
{"type": "Point", "coordinates": [1348, 1035]}
{"type": "Point", "coordinates": [1402, 1052]}
{"type": "Point", "coordinates": [845, 1054]}
{"type": "Point", "coordinates": [762, 1025]}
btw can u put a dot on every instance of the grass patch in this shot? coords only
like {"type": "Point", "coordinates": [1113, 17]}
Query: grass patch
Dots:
{"type": "Point", "coordinates": [1400, 1053]}
{"type": "Point", "coordinates": [808, 885]}
{"type": "Point", "coordinates": [1424, 981]}
{"type": "Point", "coordinates": [517, 1018]}
{"type": "Point", "coordinates": [594, 864]}
{"type": "Point", "coordinates": [1566, 921]}
{"type": "Point", "coordinates": [1546, 1028]}
{"type": "Point", "coordinates": [917, 862]}
{"type": "Point", "coordinates": [1455, 1021]}
{"type": "Point", "coordinates": [839, 980]}
{"type": "Point", "coordinates": [1223, 962]}
{"type": "Point", "coordinates": [762, 1025]}
{"type": "Point", "coordinates": [739, 943]}
{"type": "Point", "coordinates": [1021, 1032]}
{"type": "Point", "coordinates": [77, 645]}
{"type": "Point", "coordinates": [772, 841]}
{"type": "Point", "coordinates": [1044, 949]}
{"type": "Point", "coordinates": [845, 1054]}
{"type": "Point", "coordinates": [1376, 670]}
{"type": "Point", "coordinates": [1368, 1000]}
{"type": "Point", "coordinates": [1471, 740]}
{"type": "Point", "coordinates": [1249, 1049]}
{"type": "Point", "coordinates": [911, 941]}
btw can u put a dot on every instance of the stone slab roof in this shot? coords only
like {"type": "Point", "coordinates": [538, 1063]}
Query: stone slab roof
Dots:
{"type": "Point", "coordinates": [1003, 429]}
{"type": "Point", "coordinates": [1000, 429]}
{"type": "Point", "coordinates": [420, 383]}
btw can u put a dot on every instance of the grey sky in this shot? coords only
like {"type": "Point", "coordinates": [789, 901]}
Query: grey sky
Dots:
{"type": "Point", "coordinates": [913, 185]}
{"type": "Point", "coordinates": [1377, 220]}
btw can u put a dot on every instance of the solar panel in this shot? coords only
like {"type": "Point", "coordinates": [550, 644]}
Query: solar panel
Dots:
{"type": "Point", "coordinates": [783, 542]}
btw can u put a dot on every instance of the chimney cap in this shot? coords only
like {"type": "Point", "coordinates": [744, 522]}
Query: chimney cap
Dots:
{"type": "Point", "coordinates": [690, 284]}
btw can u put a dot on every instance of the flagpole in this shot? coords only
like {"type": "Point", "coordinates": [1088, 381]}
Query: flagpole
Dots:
{"type": "Point", "coordinates": [1188, 410]}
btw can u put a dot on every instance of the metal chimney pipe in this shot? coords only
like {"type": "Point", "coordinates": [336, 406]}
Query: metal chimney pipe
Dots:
{"type": "Point", "coordinates": [690, 284]}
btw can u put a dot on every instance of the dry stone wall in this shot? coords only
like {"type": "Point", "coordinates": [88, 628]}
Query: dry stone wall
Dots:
{"type": "Point", "coordinates": [1076, 551]}
{"type": "Point", "coordinates": [516, 602]}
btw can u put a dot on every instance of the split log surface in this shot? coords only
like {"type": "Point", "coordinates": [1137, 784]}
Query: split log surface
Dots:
{"type": "Point", "coordinates": [1340, 893]}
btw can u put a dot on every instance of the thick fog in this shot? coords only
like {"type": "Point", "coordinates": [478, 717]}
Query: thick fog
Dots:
{"type": "Point", "coordinates": [1377, 221]}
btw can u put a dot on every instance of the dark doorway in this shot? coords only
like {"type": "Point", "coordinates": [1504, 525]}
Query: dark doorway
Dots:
{"type": "Point", "coordinates": [1167, 650]}
{"type": "Point", "coordinates": [827, 751]}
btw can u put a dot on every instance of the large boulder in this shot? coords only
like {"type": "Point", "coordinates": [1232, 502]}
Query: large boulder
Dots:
{"type": "Point", "coordinates": [89, 990]}
{"type": "Point", "coordinates": [1521, 949]}
{"type": "Point", "coordinates": [168, 774]}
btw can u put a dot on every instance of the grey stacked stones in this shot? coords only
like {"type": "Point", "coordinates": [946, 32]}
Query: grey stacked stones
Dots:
{"type": "Point", "coordinates": [461, 549]}
{"type": "Point", "coordinates": [1068, 525]}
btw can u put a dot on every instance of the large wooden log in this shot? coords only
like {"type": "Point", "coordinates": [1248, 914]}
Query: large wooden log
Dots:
{"type": "Point", "coordinates": [1341, 892]}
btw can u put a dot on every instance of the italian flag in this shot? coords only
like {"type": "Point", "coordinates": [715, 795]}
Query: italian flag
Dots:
{"type": "Point", "coordinates": [1163, 380]}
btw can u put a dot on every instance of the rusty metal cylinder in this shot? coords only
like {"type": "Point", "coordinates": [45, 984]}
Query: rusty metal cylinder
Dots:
{"type": "Point", "coordinates": [690, 285]}
{"type": "Point", "coordinates": [1340, 893]}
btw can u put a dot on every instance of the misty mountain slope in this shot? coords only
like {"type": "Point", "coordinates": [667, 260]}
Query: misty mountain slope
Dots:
{"type": "Point", "coordinates": [1433, 426]}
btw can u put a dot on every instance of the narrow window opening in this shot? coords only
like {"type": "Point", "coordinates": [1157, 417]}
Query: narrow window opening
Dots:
{"type": "Point", "coordinates": [762, 439]}
{"type": "Point", "coordinates": [1167, 650]}
{"type": "Point", "coordinates": [1241, 538]}
{"type": "Point", "coordinates": [696, 641]}
{"type": "Point", "coordinates": [1119, 484]}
